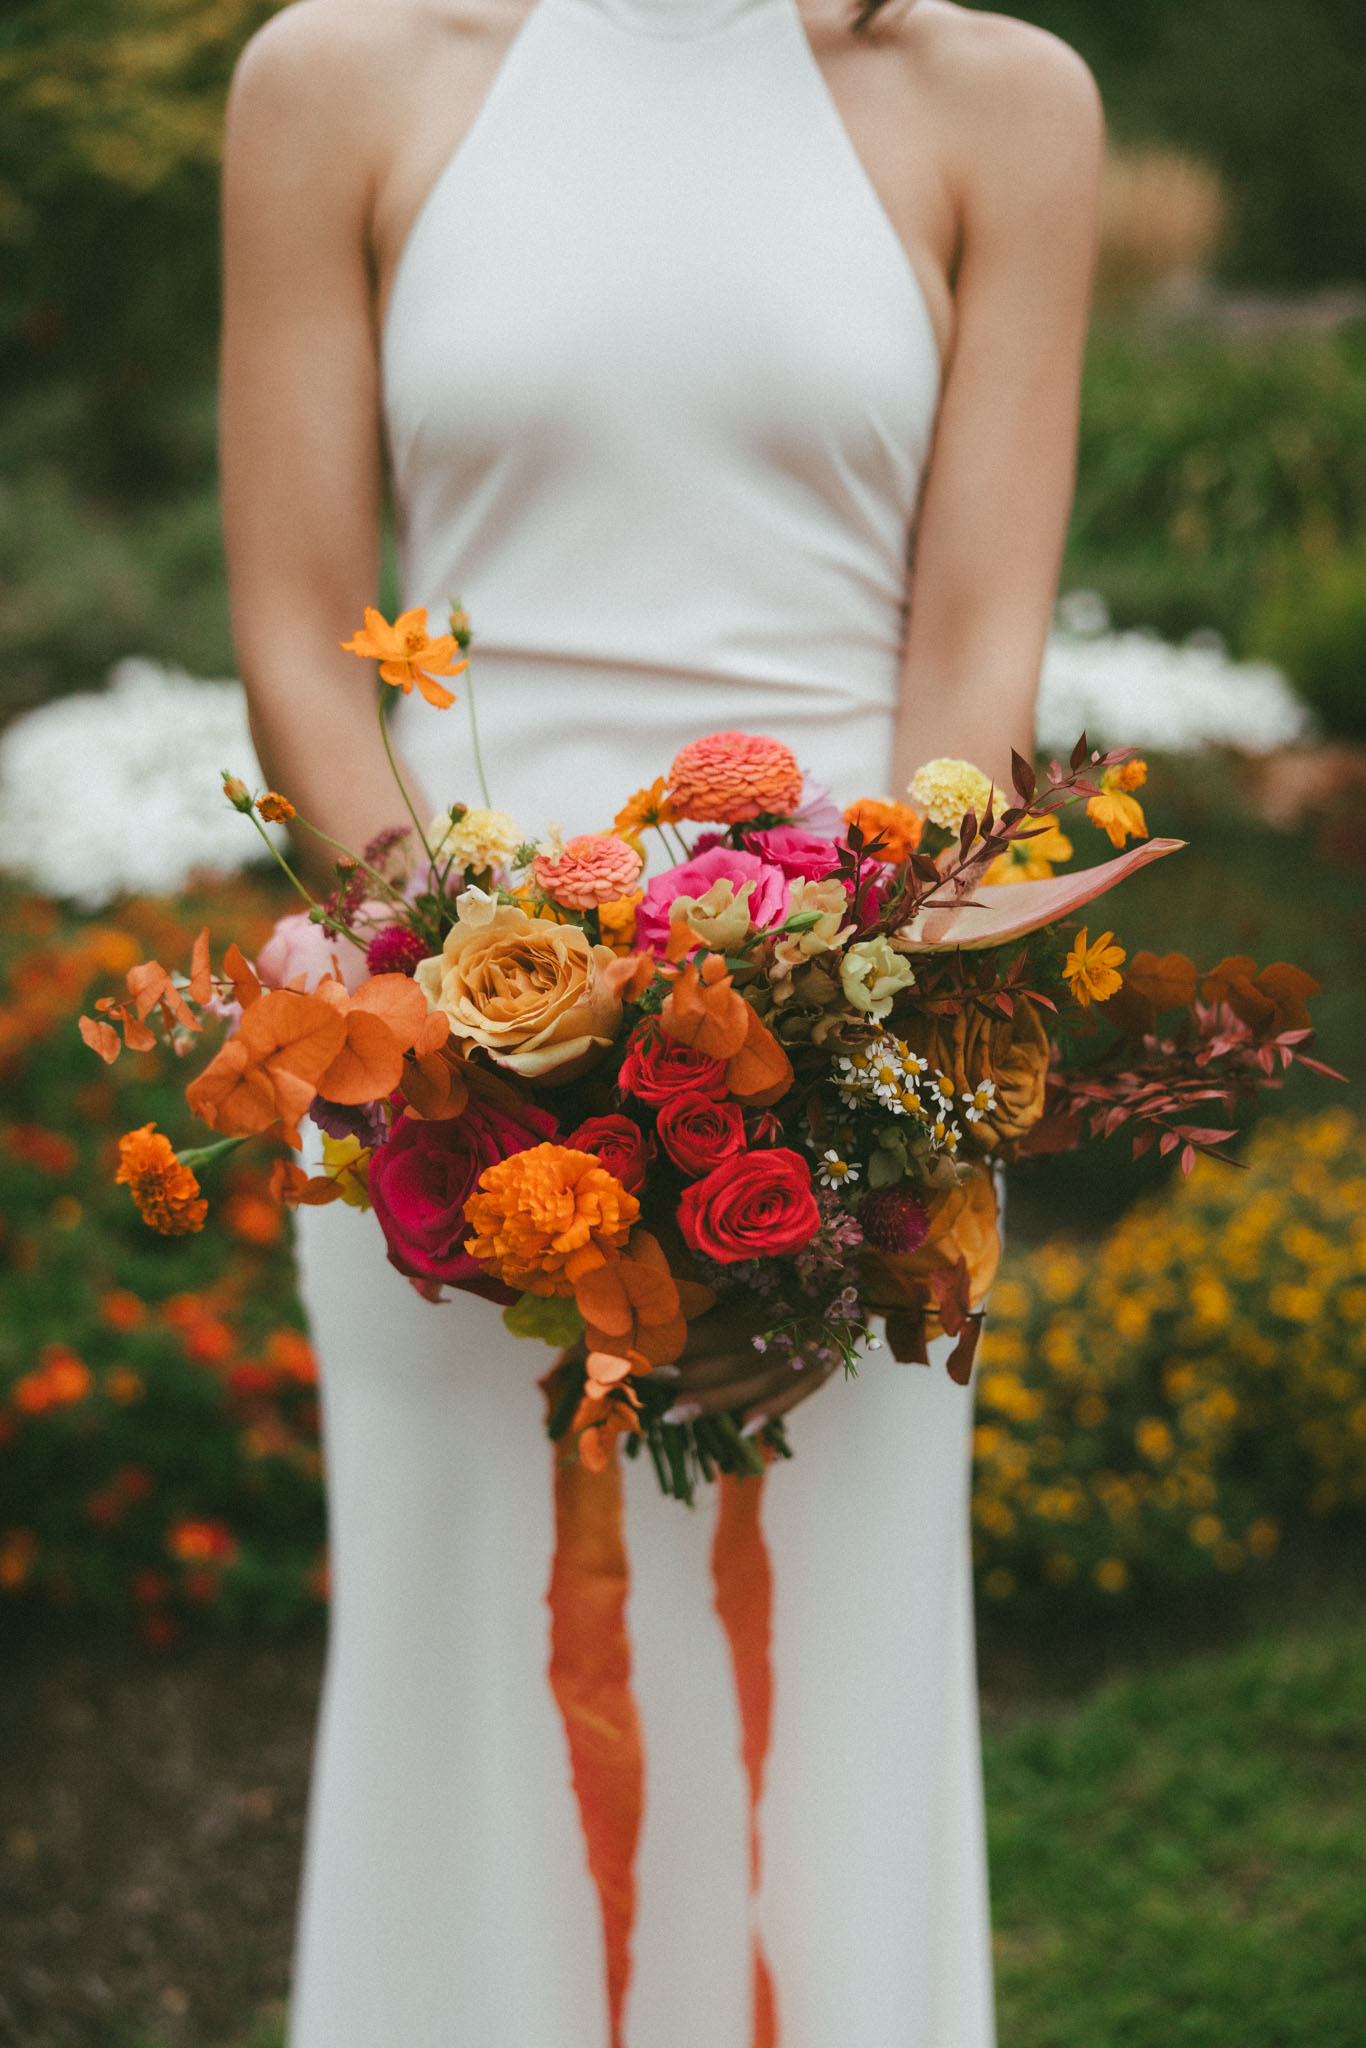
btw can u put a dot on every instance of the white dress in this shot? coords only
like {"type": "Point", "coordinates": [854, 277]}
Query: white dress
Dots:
{"type": "Point", "coordinates": [660, 385]}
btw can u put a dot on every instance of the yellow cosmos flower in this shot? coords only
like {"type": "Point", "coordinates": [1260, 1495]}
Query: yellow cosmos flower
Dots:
{"type": "Point", "coordinates": [1118, 814]}
{"type": "Point", "coordinates": [407, 654]}
{"type": "Point", "coordinates": [1031, 859]}
{"type": "Point", "coordinates": [1092, 972]}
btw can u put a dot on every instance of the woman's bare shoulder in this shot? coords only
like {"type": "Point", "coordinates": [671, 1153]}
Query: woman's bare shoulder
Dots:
{"type": "Point", "coordinates": [1017, 95]}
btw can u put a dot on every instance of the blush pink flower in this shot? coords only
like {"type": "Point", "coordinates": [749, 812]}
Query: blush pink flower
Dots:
{"type": "Point", "coordinates": [730, 776]}
{"type": "Point", "coordinates": [767, 896]}
{"type": "Point", "coordinates": [298, 947]}
{"type": "Point", "coordinates": [595, 868]}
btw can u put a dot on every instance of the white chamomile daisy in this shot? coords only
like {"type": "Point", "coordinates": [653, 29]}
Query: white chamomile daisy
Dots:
{"type": "Point", "coordinates": [942, 1085]}
{"type": "Point", "coordinates": [945, 1134]}
{"type": "Point", "coordinates": [834, 1172]}
{"type": "Point", "coordinates": [978, 1101]}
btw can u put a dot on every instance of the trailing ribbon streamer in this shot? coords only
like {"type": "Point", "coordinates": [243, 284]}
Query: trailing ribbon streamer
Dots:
{"type": "Point", "coordinates": [590, 1676]}
{"type": "Point", "coordinates": [743, 1577]}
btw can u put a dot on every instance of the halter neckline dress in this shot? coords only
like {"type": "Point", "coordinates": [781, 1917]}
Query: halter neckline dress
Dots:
{"type": "Point", "coordinates": [659, 388]}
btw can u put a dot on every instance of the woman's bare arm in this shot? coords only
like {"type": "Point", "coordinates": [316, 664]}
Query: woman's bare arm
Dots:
{"type": "Point", "coordinates": [1027, 142]}
{"type": "Point", "coordinates": [301, 459]}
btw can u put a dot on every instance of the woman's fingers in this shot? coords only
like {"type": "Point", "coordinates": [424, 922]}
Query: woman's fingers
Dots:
{"type": "Point", "coordinates": [714, 1368]}
{"type": "Point", "coordinates": [799, 1385]}
{"type": "Point", "coordinates": [737, 1390]}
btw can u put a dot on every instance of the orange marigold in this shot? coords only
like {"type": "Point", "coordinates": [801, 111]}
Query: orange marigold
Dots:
{"type": "Point", "coordinates": [167, 1193]}
{"type": "Point", "coordinates": [545, 1217]}
{"type": "Point", "coordinates": [731, 776]}
{"type": "Point", "coordinates": [897, 825]}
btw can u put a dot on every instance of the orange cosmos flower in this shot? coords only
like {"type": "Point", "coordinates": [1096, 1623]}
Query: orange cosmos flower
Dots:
{"type": "Point", "coordinates": [1118, 814]}
{"type": "Point", "coordinates": [897, 825]}
{"type": "Point", "coordinates": [544, 1217]}
{"type": "Point", "coordinates": [731, 776]}
{"type": "Point", "coordinates": [274, 808]}
{"type": "Point", "coordinates": [407, 654]}
{"type": "Point", "coordinates": [166, 1193]}
{"type": "Point", "coordinates": [647, 807]}
{"type": "Point", "coordinates": [1092, 972]}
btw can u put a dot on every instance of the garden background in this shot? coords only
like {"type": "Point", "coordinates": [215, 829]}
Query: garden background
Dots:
{"type": "Point", "coordinates": [1172, 1399]}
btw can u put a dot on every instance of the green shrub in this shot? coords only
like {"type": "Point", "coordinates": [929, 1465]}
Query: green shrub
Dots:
{"type": "Point", "coordinates": [1314, 626]}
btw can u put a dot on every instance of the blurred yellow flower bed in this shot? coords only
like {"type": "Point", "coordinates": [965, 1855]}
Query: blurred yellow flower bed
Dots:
{"type": "Point", "coordinates": [1156, 1406]}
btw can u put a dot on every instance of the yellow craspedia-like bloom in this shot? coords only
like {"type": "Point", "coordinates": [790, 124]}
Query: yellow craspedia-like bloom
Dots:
{"type": "Point", "coordinates": [475, 838]}
{"type": "Point", "coordinates": [1092, 972]}
{"type": "Point", "coordinates": [544, 1217]}
{"type": "Point", "coordinates": [946, 789]}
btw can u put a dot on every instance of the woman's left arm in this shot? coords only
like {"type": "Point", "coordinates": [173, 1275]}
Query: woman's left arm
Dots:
{"type": "Point", "coordinates": [1027, 148]}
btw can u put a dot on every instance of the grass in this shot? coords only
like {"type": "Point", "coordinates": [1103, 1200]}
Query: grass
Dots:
{"type": "Point", "coordinates": [1179, 1859]}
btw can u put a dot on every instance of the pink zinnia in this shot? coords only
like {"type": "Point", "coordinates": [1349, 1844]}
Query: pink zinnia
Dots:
{"type": "Point", "coordinates": [730, 776]}
{"type": "Point", "coordinates": [597, 867]}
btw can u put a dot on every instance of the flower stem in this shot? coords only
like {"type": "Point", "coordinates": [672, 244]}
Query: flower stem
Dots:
{"type": "Point", "coordinates": [276, 854]}
{"type": "Point", "coordinates": [474, 737]}
{"type": "Point", "coordinates": [403, 787]}
{"type": "Point", "coordinates": [205, 1155]}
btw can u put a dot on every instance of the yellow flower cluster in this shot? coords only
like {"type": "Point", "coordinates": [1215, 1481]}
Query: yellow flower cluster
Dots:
{"type": "Point", "coordinates": [1160, 1405]}
{"type": "Point", "coordinates": [944, 791]}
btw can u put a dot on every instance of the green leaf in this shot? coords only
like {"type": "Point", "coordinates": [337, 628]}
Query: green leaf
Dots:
{"type": "Point", "coordinates": [552, 1318]}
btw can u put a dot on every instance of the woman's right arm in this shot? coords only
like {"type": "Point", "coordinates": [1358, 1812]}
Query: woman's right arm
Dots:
{"type": "Point", "coordinates": [300, 441]}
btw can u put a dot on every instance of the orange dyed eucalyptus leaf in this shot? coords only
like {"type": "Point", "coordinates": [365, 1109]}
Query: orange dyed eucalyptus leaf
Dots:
{"type": "Point", "coordinates": [233, 1095]}
{"type": "Point", "coordinates": [629, 976]}
{"type": "Point", "coordinates": [703, 1010]}
{"type": "Point", "coordinates": [1288, 988]}
{"type": "Point", "coordinates": [246, 988]}
{"type": "Point", "coordinates": [760, 1072]}
{"type": "Point", "coordinates": [402, 1005]}
{"type": "Point", "coordinates": [300, 1034]}
{"type": "Point", "coordinates": [201, 978]}
{"type": "Point", "coordinates": [150, 984]}
{"type": "Point", "coordinates": [434, 1087]}
{"type": "Point", "coordinates": [292, 1186]}
{"type": "Point", "coordinates": [369, 1064]}
{"type": "Point", "coordinates": [101, 1038]}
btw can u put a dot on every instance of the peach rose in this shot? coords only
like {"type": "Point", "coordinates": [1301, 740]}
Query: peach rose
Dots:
{"type": "Point", "coordinates": [531, 992]}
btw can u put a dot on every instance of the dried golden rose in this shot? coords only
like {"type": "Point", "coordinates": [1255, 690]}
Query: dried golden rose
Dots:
{"type": "Point", "coordinates": [980, 1045]}
{"type": "Point", "coordinates": [960, 1223]}
{"type": "Point", "coordinates": [533, 993]}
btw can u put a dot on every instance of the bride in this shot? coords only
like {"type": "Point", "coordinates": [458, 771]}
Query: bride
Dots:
{"type": "Point", "coordinates": [669, 324]}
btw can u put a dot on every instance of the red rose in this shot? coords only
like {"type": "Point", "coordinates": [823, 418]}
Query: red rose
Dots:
{"type": "Point", "coordinates": [751, 1208]}
{"type": "Point", "coordinates": [656, 1067]}
{"type": "Point", "coordinates": [420, 1178]}
{"type": "Point", "coordinates": [621, 1145]}
{"type": "Point", "coordinates": [698, 1133]}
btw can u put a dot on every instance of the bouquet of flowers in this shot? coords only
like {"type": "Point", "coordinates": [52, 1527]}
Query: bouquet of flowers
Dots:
{"type": "Point", "coordinates": [778, 1073]}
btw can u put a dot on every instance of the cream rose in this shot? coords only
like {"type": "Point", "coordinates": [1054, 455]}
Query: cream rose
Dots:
{"type": "Point", "coordinates": [530, 991]}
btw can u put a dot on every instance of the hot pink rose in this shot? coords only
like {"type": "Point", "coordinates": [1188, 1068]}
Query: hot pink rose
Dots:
{"type": "Point", "coordinates": [767, 896]}
{"type": "Point", "coordinates": [423, 1173]}
{"type": "Point", "coordinates": [297, 947]}
{"type": "Point", "coordinates": [802, 856]}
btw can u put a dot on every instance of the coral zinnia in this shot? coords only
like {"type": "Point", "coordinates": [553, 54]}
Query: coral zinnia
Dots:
{"type": "Point", "coordinates": [545, 1217]}
{"type": "Point", "coordinates": [1092, 972]}
{"type": "Point", "coordinates": [595, 868]}
{"type": "Point", "coordinates": [167, 1193]}
{"type": "Point", "coordinates": [731, 776]}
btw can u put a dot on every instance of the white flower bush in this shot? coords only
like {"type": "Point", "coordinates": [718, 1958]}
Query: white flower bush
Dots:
{"type": "Point", "coordinates": [120, 791]}
{"type": "Point", "coordinates": [115, 792]}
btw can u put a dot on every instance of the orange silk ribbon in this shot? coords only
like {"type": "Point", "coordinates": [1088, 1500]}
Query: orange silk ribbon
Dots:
{"type": "Point", "coordinates": [743, 1577]}
{"type": "Point", "coordinates": [590, 1676]}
